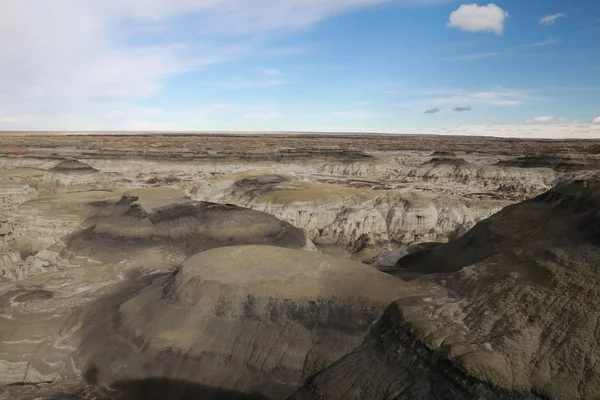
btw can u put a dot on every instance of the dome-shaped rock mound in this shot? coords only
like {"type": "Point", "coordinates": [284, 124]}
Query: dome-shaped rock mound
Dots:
{"type": "Point", "coordinates": [73, 166]}
{"type": "Point", "coordinates": [165, 220]}
{"type": "Point", "coordinates": [250, 319]}
{"type": "Point", "coordinates": [514, 314]}
{"type": "Point", "coordinates": [446, 160]}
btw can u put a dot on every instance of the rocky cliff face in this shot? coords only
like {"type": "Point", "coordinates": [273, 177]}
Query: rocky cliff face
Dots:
{"type": "Point", "coordinates": [512, 316]}
{"type": "Point", "coordinates": [452, 175]}
{"type": "Point", "coordinates": [332, 214]}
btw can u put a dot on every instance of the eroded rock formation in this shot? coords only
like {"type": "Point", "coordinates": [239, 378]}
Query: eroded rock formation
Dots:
{"type": "Point", "coordinates": [513, 314]}
{"type": "Point", "coordinates": [248, 319]}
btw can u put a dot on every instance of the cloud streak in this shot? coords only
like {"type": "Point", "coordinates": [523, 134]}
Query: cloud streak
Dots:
{"type": "Point", "coordinates": [461, 109]}
{"type": "Point", "coordinates": [69, 61]}
{"type": "Point", "coordinates": [432, 111]}
{"type": "Point", "coordinates": [249, 84]}
{"type": "Point", "coordinates": [502, 97]}
{"type": "Point", "coordinates": [492, 54]}
{"type": "Point", "coordinates": [551, 19]}
{"type": "Point", "coordinates": [263, 116]}
{"type": "Point", "coordinates": [357, 114]}
{"type": "Point", "coordinates": [548, 120]}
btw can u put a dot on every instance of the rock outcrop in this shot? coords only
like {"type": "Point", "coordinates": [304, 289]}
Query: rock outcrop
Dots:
{"type": "Point", "coordinates": [337, 215]}
{"type": "Point", "coordinates": [73, 166]}
{"type": "Point", "coordinates": [452, 175]}
{"type": "Point", "coordinates": [251, 319]}
{"type": "Point", "coordinates": [510, 313]}
{"type": "Point", "coordinates": [567, 162]}
{"type": "Point", "coordinates": [130, 242]}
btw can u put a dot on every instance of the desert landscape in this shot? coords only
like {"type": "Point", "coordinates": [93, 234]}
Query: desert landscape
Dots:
{"type": "Point", "coordinates": [301, 266]}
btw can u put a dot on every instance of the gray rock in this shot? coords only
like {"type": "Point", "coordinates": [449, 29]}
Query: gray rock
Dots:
{"type": "Point", "coordinates": [510, 312]}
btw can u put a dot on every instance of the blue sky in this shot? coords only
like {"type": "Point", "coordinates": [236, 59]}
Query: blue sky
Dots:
{"type": "Point", "coordinates": [512, 68]}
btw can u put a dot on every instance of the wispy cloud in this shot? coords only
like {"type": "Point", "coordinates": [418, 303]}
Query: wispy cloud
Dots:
{"type": "Point", "coordinates": [596, 120]}
{"type": "Point", "coordinates": [461, 109]}
{"type": "Point", "coordinates": [482, 56]}
{"type": "Point", "coordinates": [547, 42]}
{"type": "Point", "coordinates": [270, 71]}
{"type": "Point", "coordinates": [432, 111]}
{"type": "Point", "coordinates": [499, 97]}
{"type": "Point", "coordinates": [77, 57]}
{"type": "Point", "coordinates": [548, 120]}
{"type": "Point", "coordinates": [249, 84]}
{"type": "Point", "coordinates": [357, 114]}
{"type": "Point", "coordinates": [551, 19]}
{"type": "Point", "coordinates": [263, 116]}
{"type": "Point", "coordinates": [507, 51]}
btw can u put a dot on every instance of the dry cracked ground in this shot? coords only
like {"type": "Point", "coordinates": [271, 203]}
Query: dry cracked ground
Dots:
{"type": "Point", "coordinates": [300, 266]}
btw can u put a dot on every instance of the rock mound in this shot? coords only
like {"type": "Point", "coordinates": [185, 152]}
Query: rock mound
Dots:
{"type": "Point", "coordinates": [72, 166]}
{"type": "Point", "coordinates": [260, 180]}
{"type": "Point", "coordinates": [512, 316]}
{"type": "Point", "coordinates": [443, 153]}
{"type": "Point", "coordinates": [446, 160]}
{"type": "Point", "coordinates": [164, 215]}
{"type": "Point", "coordinates": [251, 319]}
{"type": "Point", "coordinates": [138, 237]}
{"type": "Point", "coordinates": [558, 162]}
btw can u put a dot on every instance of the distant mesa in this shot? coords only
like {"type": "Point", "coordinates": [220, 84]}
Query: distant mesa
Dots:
{"type": "Point", "coordinates": [558, 162]}
{"type": "Point", "coordinates": [260, 180]}
{"type": "Point", "coordinates": [443, 153]}
{"type": "Point", "coordinates": [73, 166]}
{"type": "Point", "coordinates": [446, 158]}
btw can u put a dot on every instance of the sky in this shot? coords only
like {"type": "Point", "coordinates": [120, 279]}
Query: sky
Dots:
{"type": "Point", "coordinates": [522, 68]}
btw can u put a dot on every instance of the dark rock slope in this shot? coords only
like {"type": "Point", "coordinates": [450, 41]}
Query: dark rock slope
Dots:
{"type": "Point", "coordinates": [73, 166]}
{"type": "Point", "coordinates": [248, 319]}
{"type": "Point", "coordinates": [510, 311]}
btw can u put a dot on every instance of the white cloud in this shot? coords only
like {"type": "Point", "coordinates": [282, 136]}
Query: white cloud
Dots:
{"type": "Point", "coordinates": [461, 109]}
{"type": "Point", "coordinates": [500, 97]}
{"type": "Point", "coordinates": [544, 43]}
{"type": "Point", "coordinates": [357, 114]}
{"type": "Point", "coordinates": [548, 120]}
{"type": "Point", "coordinates": [596, 120]}
{"type": "Point", "coordinates": [271, 71]}
{"type": "Point", "coordinates": [482, 56]}
{"type": "Point", "coordinates": [550, 19]}
{"type": "Point", "coordinates": [475, 18]}
{"type": "Point", "coordinates": [70, 61]}
{"type": "Point", "coordinates": [263, 116]}
{"type": "Point", "coordinates": [510, 50]}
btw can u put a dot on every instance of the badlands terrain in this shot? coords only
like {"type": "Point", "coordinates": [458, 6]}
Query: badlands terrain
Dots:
{"type": "Point", "coordinates": [300, 266]}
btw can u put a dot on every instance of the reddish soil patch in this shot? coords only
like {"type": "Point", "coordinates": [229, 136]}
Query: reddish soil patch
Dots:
{"type": "Point", "coordinates": [9, 149]}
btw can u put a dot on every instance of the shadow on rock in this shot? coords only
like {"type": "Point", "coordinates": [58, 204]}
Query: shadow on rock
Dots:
{"type": "Point", "coordinates": [172, 389]}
